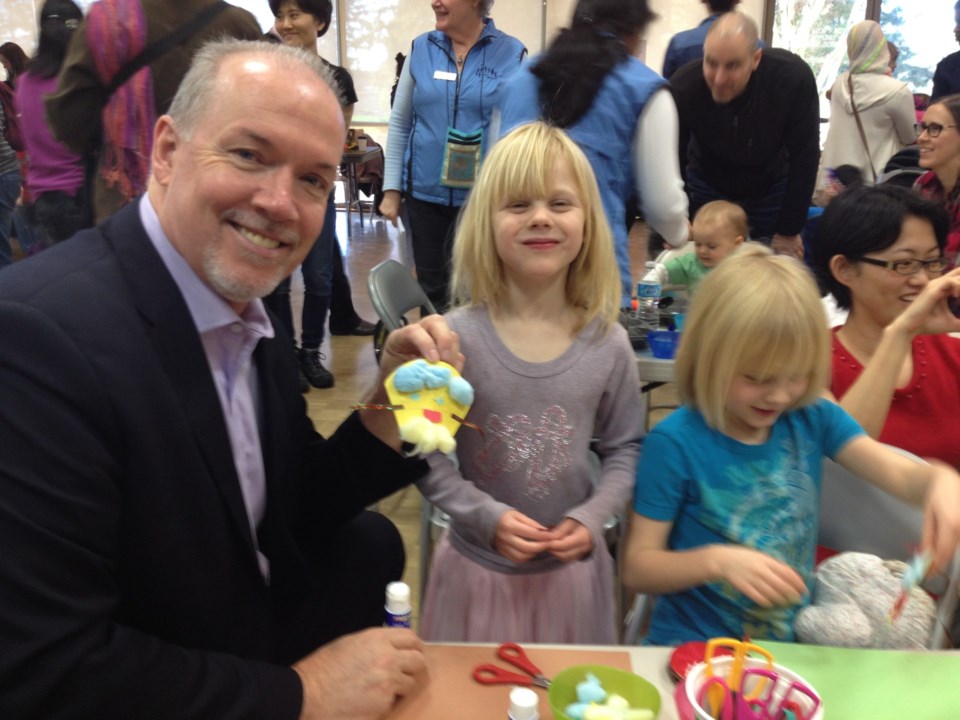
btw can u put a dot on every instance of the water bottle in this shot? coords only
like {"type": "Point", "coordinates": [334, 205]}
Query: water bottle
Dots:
{"type": "Point", "coordinates": [648, 293]}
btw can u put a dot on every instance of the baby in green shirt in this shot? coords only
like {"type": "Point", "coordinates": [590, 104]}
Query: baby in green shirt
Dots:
{"type": "Point", "coordinates": [718, 228]}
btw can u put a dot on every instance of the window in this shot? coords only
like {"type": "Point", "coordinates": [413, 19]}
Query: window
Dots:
{"type": "Point", "coordinates": [816, 30]}
{"type": "Point", "coordinates": [924, 37]}
{"type": "Point", "coordinates": [374, 31]}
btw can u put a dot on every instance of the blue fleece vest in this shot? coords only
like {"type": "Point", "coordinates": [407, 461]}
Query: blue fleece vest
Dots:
{"type": "Point", "coordinates": [605, 134]}
{"type": "Point", "coordinates": [465, 104]}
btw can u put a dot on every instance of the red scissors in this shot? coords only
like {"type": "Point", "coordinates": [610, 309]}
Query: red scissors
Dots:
{"type": "Point", "coordinates": [513, 654]}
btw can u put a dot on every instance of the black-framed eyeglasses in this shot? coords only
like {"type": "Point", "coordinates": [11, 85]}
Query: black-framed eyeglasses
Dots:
{"type": "Point", "coordinates": [932, 129]}
{"type": "Point", "coordinates": [908, 267]}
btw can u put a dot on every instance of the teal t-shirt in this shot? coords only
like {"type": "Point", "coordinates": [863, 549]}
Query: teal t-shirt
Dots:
{"type": "Point", "coordinates": [686, 270]}
{"type": "Point", "coordinates": [715, 489]}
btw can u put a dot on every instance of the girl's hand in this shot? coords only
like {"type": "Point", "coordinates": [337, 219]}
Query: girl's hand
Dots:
{"type": "Point", "coordinates": [763, 579]}
{"type": "Point", "coordinates": [571, 540]}
{"type": "Point", "coordinates": [928, 314]}
{"type": "Point", "coordinates": [941, 515]}
{"type": "Point", "coordinates": [520, 538]}
{"type": "Point", "coordinates": [390, 205]}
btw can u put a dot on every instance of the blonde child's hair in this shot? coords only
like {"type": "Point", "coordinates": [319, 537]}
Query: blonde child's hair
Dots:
{"type": "Point", "coordinates": [722, 212]}
{"type": "Point", "coordinates": [756, 313]}
{"type": "Point", "coordinates": [520, 166]}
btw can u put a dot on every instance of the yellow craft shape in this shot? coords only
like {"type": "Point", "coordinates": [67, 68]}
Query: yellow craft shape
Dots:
{"type": "Point", "coordinates": [429, 395]}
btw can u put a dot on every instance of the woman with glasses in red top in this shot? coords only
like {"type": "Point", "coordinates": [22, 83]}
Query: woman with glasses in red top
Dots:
{"type": "Point", "coordinates": [879, 251]}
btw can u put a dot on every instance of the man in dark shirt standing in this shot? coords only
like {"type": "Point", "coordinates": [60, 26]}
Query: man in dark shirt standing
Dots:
{"type": "Point", "coordinates": [946, 78]}
{"type": "Point", "coordinates": [750, 131]}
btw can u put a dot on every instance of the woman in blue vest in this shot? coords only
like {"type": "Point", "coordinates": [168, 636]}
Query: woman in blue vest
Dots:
{"type": "Point", "coordinates": [448, 88]}
{"type": "Point", "coordinates": [617, 109]}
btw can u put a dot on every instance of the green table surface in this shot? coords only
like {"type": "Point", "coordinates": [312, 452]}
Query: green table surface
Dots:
{"type": "Point", "coordinates": [876, 684]}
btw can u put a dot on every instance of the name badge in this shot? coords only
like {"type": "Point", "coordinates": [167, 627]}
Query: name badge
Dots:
{"type": "Point", "coordinates": [443, 75]}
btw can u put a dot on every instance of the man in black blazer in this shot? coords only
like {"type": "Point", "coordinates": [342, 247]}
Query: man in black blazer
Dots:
{"type": "Point", "coordinates": [177, 540]}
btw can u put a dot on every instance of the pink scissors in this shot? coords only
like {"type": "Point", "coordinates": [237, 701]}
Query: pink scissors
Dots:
{"type": "Point", "coordinates": [513, 654]}
{"type": "Point", "coordinates": [765, 705]}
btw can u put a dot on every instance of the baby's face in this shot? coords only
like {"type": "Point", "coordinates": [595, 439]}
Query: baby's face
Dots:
{"type": "Point", "coordinates": [714, 242]}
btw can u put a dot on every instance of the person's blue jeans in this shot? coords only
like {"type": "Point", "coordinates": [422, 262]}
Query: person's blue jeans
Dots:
{"type": "Point", "coordinates": [762, 212]}
{"type": "Point", "coordinates": [9, 194]}
{"type": "Point", "coordinates": [317, 271]}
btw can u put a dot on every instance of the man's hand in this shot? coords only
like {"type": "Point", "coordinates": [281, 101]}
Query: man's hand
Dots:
{"type": "Point", "coordinates": [791, 245]}
{"type": "Point", "coordinates": [359, 676]}
{"type": "Point", "coordinates": [431, 338]}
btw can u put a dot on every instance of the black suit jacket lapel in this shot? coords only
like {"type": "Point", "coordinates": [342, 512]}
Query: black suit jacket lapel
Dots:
{"type": "Point", "coordinates": [171, 330]}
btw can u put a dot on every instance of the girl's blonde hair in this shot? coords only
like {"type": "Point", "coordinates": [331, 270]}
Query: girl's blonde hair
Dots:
{"type": "Point", "coordinates": [520, 166]}
{"type": "Point", "coordinates": [756, 313]}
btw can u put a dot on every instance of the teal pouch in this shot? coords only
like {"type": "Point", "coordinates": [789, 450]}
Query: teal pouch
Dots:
{"type": "Point", "coordinates": [461, 159]}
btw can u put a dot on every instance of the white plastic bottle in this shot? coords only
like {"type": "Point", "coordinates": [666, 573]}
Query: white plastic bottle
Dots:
{"type": "Point", "coordinates": [398, 605]}
{"type": "Point", "coordinates": [524, 704]}
{"type": "Point", "coordinates": [648, 294]}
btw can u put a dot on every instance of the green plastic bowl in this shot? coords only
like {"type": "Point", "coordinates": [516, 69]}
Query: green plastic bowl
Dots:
{"type": "Point", "coordinates": [633, 688]}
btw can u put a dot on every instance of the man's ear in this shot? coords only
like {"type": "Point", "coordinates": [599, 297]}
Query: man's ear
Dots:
{"type": "Point", "coordinates": [755, 61]}
{"type": "Point", "coordinates": [166, 141]}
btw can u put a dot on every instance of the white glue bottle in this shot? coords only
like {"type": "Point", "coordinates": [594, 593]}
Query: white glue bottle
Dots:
{"type": "Point", "coordinates": [398, 605]}
{"type": "Point", "coordinates": [524, 704]}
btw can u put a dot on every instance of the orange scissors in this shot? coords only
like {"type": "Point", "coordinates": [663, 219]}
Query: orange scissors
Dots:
{"type": "Point", "coordinates": [741, 651]}
{"type": "Point", "coordinates": [511, 653]}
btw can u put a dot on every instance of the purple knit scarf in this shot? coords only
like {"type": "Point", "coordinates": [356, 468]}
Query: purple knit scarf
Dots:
{"type": "Point", "coordinates": [117, 32]}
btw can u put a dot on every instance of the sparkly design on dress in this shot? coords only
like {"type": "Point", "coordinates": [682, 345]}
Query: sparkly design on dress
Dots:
{"type": "Point", "coordinates": [514, 442]}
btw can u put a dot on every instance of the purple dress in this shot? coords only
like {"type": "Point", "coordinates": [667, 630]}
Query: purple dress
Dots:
{"type": "Point", "coordinates": [533, 456]}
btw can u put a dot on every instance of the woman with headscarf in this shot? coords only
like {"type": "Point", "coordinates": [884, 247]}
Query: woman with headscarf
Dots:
{"type": "Point", "coordinates": [871, 115]}
{"type": "Point", "coordinates": [620, 113]}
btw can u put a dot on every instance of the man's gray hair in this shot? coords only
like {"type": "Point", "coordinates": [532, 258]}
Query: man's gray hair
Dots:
{"type": "Point", "coordinates": [485, 6]}
{"type": "Point", "coordinates": [198, 87]}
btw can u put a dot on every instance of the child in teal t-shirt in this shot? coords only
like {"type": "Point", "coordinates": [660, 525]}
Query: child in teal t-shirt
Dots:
{"type": "Point", "coordinates": [719, 227]}
{"type": "Point", "coordinates": [727, 496]}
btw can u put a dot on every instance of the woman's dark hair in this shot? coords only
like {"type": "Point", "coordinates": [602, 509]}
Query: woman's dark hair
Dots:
{"type": "Point", "coordinates": [951, 103]}
{"type": "Point", "coordinates": [54, 37]}
{"type": "Point", "coordinates": [573, 68]}
{"type": "Point", "coordinates": [16, 57]}
{"type": "Point", "coordinates": [865, 220]}
{"type": "Point", "coordinates": [322, 10]}
{"type": "Point", "coordinates": [721, 6]}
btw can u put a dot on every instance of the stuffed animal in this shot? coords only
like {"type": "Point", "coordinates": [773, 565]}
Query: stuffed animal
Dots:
{"type": "Point", "coordinates": [854, 597]}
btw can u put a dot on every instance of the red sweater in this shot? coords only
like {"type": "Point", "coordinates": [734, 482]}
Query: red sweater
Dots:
{"type": "Point", "coordinates": [924, 416]}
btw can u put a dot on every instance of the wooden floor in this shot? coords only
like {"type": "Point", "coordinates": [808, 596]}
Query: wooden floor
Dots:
{"type": "Point", "coordinates": [352, 362]}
